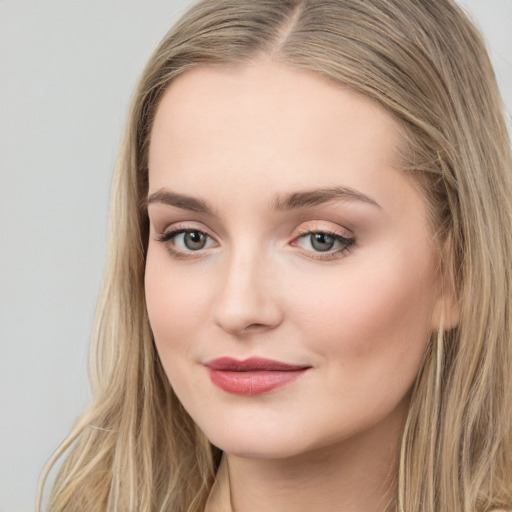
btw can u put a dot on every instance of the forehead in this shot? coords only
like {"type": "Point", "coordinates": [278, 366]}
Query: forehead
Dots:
{"type": "Point", "coordinates": [267, 126]}
{"type": "Point", "coordinates": [209, 101]}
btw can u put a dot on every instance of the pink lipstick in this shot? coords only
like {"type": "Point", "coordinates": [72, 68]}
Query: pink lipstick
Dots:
{"type": "Point", "coordinates": [252, 376]}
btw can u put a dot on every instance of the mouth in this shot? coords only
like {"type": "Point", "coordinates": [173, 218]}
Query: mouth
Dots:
{"type": "Point", "coordinates": [252, 376]}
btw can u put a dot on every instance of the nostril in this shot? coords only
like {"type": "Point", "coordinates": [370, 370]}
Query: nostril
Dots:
{"type": "Point", "coordinates": [254, 327]}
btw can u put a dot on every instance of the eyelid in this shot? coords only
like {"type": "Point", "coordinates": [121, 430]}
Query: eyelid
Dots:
{"type": "Point", "coordinates": [323, 227]}
{"type": "Point", "coordinates": [318, 226]}
{"type": "Point", "coordinates": [167, 235]}
{"type": "Point", "coordinates": [342, 235]}
{"type": "Point", "coordinates": [184, 226]}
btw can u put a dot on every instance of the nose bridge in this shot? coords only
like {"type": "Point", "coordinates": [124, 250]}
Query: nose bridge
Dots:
{"type": "Point", "coordinates": [245, 299]}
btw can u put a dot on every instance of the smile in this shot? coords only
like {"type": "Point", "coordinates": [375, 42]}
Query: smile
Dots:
{"type": "Point", "coordinates": [252, 376]}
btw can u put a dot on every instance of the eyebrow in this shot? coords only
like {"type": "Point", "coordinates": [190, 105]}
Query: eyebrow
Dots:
{"type": "Point", "coordinates": [320, 196]}
{"type": "Point", "coordinates": [179, 201]}
{"type": "Point", "coordinates": [294, 200]}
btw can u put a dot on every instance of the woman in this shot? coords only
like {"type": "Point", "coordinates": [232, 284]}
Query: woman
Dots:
{"type": "Point", "coordinates": [307, 305]}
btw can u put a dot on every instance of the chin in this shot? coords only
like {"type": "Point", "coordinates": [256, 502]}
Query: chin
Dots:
{"type": "Point", "coordinates": [259, 443]}
{"type": "Point", "coordinates": [273, 441]}
{"type": "Point", "coordinates": [252, 449]}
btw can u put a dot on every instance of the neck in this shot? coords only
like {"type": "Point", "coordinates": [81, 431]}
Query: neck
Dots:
{"type": "Point", "coordinates": [357, 475]}
{"type": "Point", "coordinates": [323, 480]}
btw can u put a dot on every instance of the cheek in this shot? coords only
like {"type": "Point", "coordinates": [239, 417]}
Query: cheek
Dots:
{"type": "Point", "coordinates": [373, 318]}
{"type": "Point", "coordinates": [176, 306]}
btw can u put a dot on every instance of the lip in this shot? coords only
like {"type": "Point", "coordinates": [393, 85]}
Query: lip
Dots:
{"type": "Point", "coordinates": [252, 376]}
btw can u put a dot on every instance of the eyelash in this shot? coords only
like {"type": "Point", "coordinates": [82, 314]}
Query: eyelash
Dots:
{"type": "Point", "coordinates": [345, 242]}
{"type": "Point", "coordinates": [168, 236]}
{"type": "Point", "coordinates": [329, 255]}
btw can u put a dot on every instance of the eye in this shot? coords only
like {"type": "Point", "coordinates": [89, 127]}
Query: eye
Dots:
{"type": "Point", "coordinates": [182, 242]}
{"type": "Point", "coordinates": [321, 241]}
{"type": "Point", "coordinates": [324, 244]}
{"type": "Point", "coordinates": [193, 240]}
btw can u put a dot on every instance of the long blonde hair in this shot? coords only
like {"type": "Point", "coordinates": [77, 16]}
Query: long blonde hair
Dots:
{"type": "Point", "coordinates": [136, 449]}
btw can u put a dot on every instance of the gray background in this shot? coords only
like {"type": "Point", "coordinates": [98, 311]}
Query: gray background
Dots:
{"type": "Point", "coordinates": [67, 70]}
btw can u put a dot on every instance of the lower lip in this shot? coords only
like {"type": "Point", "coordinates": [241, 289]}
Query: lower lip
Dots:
{"type": "Point", "coordinates": [255, 382]}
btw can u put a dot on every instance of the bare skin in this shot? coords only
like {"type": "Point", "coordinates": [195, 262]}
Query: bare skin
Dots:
{"type": "Point", "coordinates": [243, 485]}
{"type": "Point", "coordinates": [280, 228]}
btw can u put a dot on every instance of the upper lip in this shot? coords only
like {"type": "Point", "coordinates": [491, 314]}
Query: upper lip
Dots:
{"type": "Point", "coordinates": [252, 364]}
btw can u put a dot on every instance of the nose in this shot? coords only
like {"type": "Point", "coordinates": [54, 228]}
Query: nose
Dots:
{"type": "Point", "coordinates": [247, 297]}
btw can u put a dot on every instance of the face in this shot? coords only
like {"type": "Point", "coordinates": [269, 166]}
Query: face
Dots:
{"type": "Point", "coordinates": [290, 276]}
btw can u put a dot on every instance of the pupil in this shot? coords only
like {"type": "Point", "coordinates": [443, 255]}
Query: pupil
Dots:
{"type": "Point", "coordinates": [194, 240]}
{"type": "Point", "coordinates": [322, 241]}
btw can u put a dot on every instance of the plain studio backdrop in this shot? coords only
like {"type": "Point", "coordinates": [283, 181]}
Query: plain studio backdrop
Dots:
{"type": "Point", "coordinates": [67, 71]}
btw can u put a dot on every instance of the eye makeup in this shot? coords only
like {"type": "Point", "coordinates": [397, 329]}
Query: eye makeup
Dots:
{"type": "Point", "coordinates": [323, 244]}
{"type": "Point", "coordinates": [184, 242]}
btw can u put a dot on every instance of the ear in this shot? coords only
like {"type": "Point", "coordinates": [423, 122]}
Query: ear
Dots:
{"type": "Point", "coordinates": [446, 308]}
